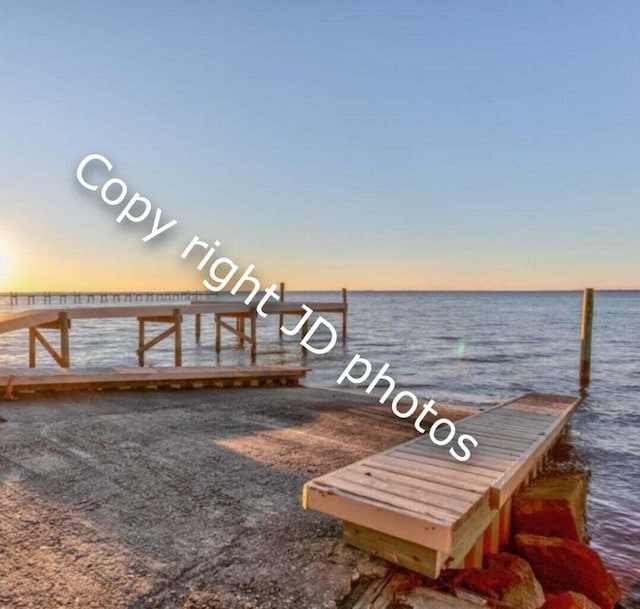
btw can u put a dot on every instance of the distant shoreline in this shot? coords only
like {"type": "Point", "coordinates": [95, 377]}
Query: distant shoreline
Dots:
{"type": "Point", "coordinates": [351, 291]}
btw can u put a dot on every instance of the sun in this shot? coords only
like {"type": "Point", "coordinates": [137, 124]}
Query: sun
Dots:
{"type": "Point", "coordinates": [4, 265]}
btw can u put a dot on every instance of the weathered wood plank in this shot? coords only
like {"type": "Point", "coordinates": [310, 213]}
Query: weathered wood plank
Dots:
{"type": "Point", "coordinates": [382, 496]}
{"type": "Point", "coordinates": [366, 511]}
{"type": "Point", "coordinates": [400, 551]}
{"type": "Point", "coordinates": [190, 376]}
{"type": "Point", "coordinates": [404, 487]}
{"type": "Point", "coordinates": [424, 468]}
{"type": "Point", "coordinates": [450, 467]}
{"type": "Point", "coordinates": [421, 478]}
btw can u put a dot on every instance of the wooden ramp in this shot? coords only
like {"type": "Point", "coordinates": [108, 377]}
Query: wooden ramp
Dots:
{"type": "Point", "coordinates": [154, 378]}
{"type": "Point", "coordinates": [418, 507]}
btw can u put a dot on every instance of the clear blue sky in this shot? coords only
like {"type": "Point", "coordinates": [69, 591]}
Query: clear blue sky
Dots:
{"type": "Point", "coordinates": [413, 145]}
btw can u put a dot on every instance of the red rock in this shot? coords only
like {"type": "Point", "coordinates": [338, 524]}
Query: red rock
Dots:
{"type": "Point", "coordinates": [564, 565]}
{"type": "Point", "coordinates": [506, 578]}
{"type": "Point", "coordinates": [569, 600]}
{"type": "Point", "coordinates": [552, 506]}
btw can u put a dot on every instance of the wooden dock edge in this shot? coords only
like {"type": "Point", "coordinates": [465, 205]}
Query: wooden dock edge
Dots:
{"type": "Point", "coordinates": [528, 464]}
{"type": "Point", "coordinates": [192, 377]}
{"type": "Point", "coordinates": [399, 551]}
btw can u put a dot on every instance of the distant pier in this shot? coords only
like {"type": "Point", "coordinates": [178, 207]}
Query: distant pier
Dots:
{"type": "Point", "coordinates": [17, 298]}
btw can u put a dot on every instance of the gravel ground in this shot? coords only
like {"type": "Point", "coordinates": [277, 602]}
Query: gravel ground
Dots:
{"type": "Point", "coordinates": [179, 499]}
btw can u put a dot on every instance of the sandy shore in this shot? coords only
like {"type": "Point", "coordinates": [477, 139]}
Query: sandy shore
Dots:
{"type": "Point", "coordinates": [179, 499]}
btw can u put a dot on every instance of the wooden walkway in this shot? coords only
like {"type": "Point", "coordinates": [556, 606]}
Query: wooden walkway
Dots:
{"type": "Point", "coordinates": [416, 506]}
{"type": "Point", "coordinates": [192, 377]}
{"type": "Point", "coordinates": [37, 320]}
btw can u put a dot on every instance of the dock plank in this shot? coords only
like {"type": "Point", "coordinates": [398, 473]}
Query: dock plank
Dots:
{"type": "Point", "coordinates": [406, 487]}
{"type": "Point", "coordinates": [154, 377]}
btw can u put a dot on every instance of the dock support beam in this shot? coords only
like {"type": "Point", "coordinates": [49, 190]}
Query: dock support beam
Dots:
{"type": "Point", "coordinates": [254, 341]}
{"type": "Point", "coordinates": [177, 325]}
{"type": "Point", "coordinates": [63, 359]}
{"type": "Point", "coordinates": [585, 338]}
{"type": "Point", "coordinates": [238, 331]}
{"type": "Point", "coordinates": [175, 319]}
{"type": "Point", "coordinates": [198, 327]}
{"type": "Point", "coordinates": [141, 333]}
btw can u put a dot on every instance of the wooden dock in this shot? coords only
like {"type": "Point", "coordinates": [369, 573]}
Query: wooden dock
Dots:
{"type": "Point", "coordinates": [191, 377]}
{"type": "Point", "coordinates": [226, 315]}
{"type": "Point", "coordinates": [416, 506]}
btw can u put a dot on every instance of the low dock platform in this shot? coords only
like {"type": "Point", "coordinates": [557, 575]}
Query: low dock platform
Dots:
{"type": "Point", "coordinates": [191, 377]}
{"type": "Point", "coordinates": [418, 507]}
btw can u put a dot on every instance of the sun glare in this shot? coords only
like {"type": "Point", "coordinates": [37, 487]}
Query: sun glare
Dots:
{"type": "Point", "coordinates": [4, 265]}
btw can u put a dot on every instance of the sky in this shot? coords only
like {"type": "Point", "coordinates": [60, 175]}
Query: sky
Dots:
{"type": "Point", "coordinates": [367, 145]}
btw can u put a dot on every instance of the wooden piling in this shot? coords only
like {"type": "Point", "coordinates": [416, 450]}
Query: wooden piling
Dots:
{"type": "Point", "coordinates": [473, 560]}
{"type": "Point", "coordinates": [491, 538]}
{"type": "Point", "coordinates": [241, 323]}
{"type": "Point", "coordinates": [344, 315]}
{"type": "Point", "coordinates": [32, 347]}
{"type": "Point", "coordinates": [177, 325]}
{"type": "Point", "coordinates": [585, 338]}
{"type": "Point", "coordinates": [504, 525]}
{"type": "Point", "coordinates": [198, 327]}
{"type": "Point", "coordinates": [141, 342]}
{"type": "Point", "coordinates": [281, 317]}
{"type": "Point", "coordinates": [218, 334]}
{"type": "Point", "coordinates": [254, 317]}
{"type": "Point", "coordinates": [65, 358]}
{"type": "Point", "coordinates": [305, 329]}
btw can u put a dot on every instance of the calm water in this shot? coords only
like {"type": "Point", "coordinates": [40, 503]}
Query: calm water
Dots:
{"type": "Point", "coordinates": [470, 348]}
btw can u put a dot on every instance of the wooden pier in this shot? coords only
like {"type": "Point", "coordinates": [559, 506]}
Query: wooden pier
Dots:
{"type": "Point", "coordinates": [37, 321]}
{"type": "Point", "coordinates": [45, 298]}
{"type": "Point", "coordinates": [416, 506]}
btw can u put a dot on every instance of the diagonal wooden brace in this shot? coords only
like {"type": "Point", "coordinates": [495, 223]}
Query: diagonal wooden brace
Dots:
{"type": "Point", "coordinates": [63, 324]}
{"type": "Point", "coordinates": [238, 331]}
{"type": "Point", "coordinates": [175, 319]}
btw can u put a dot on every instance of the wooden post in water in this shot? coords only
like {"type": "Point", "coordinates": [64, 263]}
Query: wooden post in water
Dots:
{"type": "Point", "coordinates": [254, 337]}
{"type": "Point", "coordinates": [177, 326]}
{"type": "Point", "coordinates": [241, 320]}
{"type": "Point", "coordinates": [218, 333]}
{"type": "Point", "coordinates": [585, 338]}
{"type": "Point", "coordinates": [140, 342]}
{"type": "Point", "coordinates": [281, 318]}
{"type": "Point", "coordinates": [32, 347]}
{"type": "Point", "coordinates": [305, 329]}
{"type": "Point", "coordinates": [198, 326]}
{"type": "Point", "coordinates": [63, 320]}
{"type": "Point", "coordinates": [344, 315]}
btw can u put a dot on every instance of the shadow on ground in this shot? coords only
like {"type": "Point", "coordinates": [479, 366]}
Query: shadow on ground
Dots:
{"type": "Point", "coordinates": [178, 499]}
